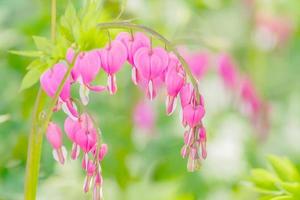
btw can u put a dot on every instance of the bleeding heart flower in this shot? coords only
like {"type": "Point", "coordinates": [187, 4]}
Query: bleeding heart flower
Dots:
{"type": "Point", "coordinates": [133, 43]}
{"type": "Point", "coordinates": [202, 140]}
{"type": "Point", "coordinates": [193, 115]}
{"type": "Point", "coordinates": [50, 81]}
{"type": "Point", "coordinates": [175, 79]}
{"type": "Point", "coordinates": [250, 97]}
{"type": "Point", "coordinates": [198, 63]}
{"type": "Point", "coordinates": [228, 71]}
{"type": "Point", "coordinates": [54, 136]}
{"type": "Point", "coordinates": [113, 57]}
{"type": "Point", "coordinates": [85, 70]}
{"type": "Point", "coordinates": [151, 64]}
{"type": "Point", "coordinates": [90, 169]}
{"type": "Point", "coordinates": [71, 127]}
{"type": "Point", "coordinates": [187, 94]}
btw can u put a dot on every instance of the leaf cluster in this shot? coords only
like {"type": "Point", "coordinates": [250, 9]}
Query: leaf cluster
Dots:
{"type": "Point", "coordinates": [282, 182]}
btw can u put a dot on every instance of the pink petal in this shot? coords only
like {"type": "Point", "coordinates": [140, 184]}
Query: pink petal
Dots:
{"type": "Point", "coordinates": [113, 57]}
{"type": "Point", "coordinates": [54, 135]}
{"type": "Point", "coordinates": [193, 114]}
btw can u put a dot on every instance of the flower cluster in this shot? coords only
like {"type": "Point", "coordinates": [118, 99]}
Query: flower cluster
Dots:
{"type": "Point", "coordinates": [84, 136]}
{"type": "Point", "coordinates": [195, 136]}
{"type": "Point", "coordinates": [239, 84]}
{"type": "Point", "coordinates": [152, 68]}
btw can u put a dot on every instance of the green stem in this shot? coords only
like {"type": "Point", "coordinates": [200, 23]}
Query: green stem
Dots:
{"type": "Point", "coordinates": [169, 45]}
{"type": "Point", "coordinates": [35, 140]}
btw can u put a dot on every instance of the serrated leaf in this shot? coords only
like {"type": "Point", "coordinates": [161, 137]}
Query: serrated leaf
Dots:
{"type": "Point", "coordinates": [264, 179]}
{"type": "Point", "coordinates": [31, 77]}
{"type": "Point", "coordinates": [43, 44]}
{"type": "Point", "coordinates": [27, 53]}
{"type": "Point", "coordinates": [284, 168]}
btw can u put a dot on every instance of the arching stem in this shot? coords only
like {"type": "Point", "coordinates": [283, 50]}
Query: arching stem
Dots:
{"type": "Point", "coordinates": [169, 45]}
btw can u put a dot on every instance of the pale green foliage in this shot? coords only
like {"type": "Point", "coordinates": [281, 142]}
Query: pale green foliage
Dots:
{"type": "Point", "coordinates": [280, 183]}
{"type": "Point", "coordinates": [75, 28]}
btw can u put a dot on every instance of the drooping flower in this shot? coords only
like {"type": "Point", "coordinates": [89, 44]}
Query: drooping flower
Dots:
{"type": "Point", "coordinates": [175, 79]}
{"type": "Point", "coordinates": [71, 127]}
{"type": "Point", "coordinates": [90, 169]}
{"type": "Point", "coordinates": [228, 71]}
{"type": "Point", "coordinates": [86, 138]}
{"type": "Point", "coordinates": [202, 141]}
{"type": "Point", "coordinates": [250, 97]}
{"type": "Point", "coordinates": [113, 57]}
{"type": "Point", "coordinates": [192, 115]}
{"type": "Point", "coordinates": [98, 182]}
{"type": "Point", "coordinates": [50, 81]}
{"type": "Point", "coordinates": [85, 70]}
{"type": "Point", "coordinates": [54, 137]}
{"type": "Point", "coordinates": [198, 63]}
{"type": "Point", "coordinates": [133, 43]}
{"type": "Point", "coordinates": [151, 64]}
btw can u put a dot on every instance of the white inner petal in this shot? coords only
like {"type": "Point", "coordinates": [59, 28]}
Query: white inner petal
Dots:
{"type": "Point", "coordinates": [84, 94]}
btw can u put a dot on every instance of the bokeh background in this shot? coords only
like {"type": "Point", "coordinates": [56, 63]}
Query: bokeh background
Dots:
{"type": "Point", "coordinates": [144, 160]}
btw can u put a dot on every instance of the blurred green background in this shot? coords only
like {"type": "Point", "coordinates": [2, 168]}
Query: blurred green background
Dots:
{"type": "Point", "coordinates": [143, 164]}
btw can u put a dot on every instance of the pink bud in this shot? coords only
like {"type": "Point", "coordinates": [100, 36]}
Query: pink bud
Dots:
{"type": "Point", "coordinates": [202, 139]}
{"type": "Point", "coordinates": [54, 136]}
{"type": "Point", "coordinates": [97, 193]}
{"type": "Point", "coordinates": [103, 151]}
{"type": "Point", "coordinates": [90, 169]}
{"type": "Point", "coordinates": [194, 162]}
{"type": "Point", "coordinates": [193, 114]}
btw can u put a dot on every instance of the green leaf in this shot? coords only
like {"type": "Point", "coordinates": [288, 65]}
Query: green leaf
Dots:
{"type": "Point", "coordinates": [285, 197]}
{"type": "Point", "coordinates": [264, 179]}
{"type": "Point", "coordinates": [292, 188]}
{"type": "Point", "coordinates": [27, 53]}
{"type": "Point", "coordinates": [34, 64]}
{"type": "Point", "coordinates": [70, 24]}
{"type": "Point", "coordinates": [43, 44]}
{"type": "Point", "coordinates": [284, 168]}
{"type": "Point", "coordinates": [31, 77]}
